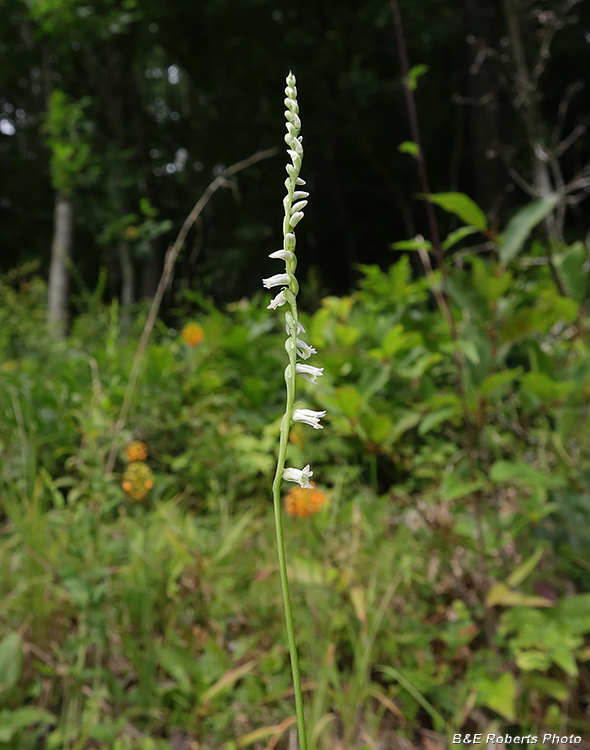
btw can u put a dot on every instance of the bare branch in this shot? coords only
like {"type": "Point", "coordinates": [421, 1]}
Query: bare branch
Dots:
{"type": "Point", "coordinates": [165, 280]}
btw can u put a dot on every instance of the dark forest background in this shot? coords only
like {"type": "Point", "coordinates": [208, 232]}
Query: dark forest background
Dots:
{"type": "Point", "coordinates": [128, 110]}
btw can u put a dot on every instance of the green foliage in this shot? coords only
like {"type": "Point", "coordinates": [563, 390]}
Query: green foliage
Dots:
{"type": "Point", "coordinates": [67, 132]}
{"type": "Point", "coordinates": [163, 615]}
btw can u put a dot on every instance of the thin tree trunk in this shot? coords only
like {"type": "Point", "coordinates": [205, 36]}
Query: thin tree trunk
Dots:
{"type": "Point", "coordinates": [59, 270]}
{"type": "Point", "coordinates": [127, 276]}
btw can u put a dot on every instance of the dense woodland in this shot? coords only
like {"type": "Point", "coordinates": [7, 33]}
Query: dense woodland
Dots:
{"type": "Point", "coordinates": [440, 563]}
{"type": "Point", "coordinates": [130, 109]}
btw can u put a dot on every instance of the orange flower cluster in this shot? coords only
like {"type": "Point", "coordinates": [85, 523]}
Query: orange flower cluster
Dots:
{"type": "Point", "coordinates": [302, 503]}
{"type": "Point", "coordinates": [138, 480]}
{"type": "Point", "coordinates": [193, 334]}
{"type": "Point", "coordinates": [136, 451]}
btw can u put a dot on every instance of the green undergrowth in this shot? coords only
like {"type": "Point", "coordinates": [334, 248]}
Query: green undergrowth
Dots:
{"type": "Point", "coordinates": [443, 586]}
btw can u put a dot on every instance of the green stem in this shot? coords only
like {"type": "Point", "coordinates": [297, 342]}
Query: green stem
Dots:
{"type": "Point", "coordinates": [276, 491]}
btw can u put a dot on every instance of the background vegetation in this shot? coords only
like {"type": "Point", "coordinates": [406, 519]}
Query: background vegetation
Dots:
{"type": "Point", "coordinates": [444, 584]}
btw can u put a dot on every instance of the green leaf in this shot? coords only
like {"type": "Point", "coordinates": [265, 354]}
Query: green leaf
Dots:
{"type": "Point", "coordinates": [436, 418]}
{"type": "Point", "coordinates": [544, 387]}
{"type": "Point", "coordinates": [521, 473]}
{"type": "Point", "coordinates": [521, 225]}
{"type": "Point", "coordinates": [533, 659]}
{"type": "Point", "coordinates": [564, 657]}
{"type": "Point", "coordinates": [414, 74]}
{"type": "Point", "coordinates": [409, 147]}
{"type": "Point", "coordinates": [546, 685]}
{"type": "Point", "coordinates": [11, 659]}
{"type": "Point", "coordinates": [501, 595]}
{"type": "Point", "coordinates": [394, 340]}
{"type": "Point", "coordinates": [469, 349]}
{"type": "Point", "coordinates": [571, 270]}
{"type": "Point", "coordinates": [457, 236]}
{"type": "Point", "coordinates": [349, 400]}
{"type": "Point", "coordinates": [497, 380]}
{"type": "Point", "coordinates": [408, 420]}
{"type": "Point", "coordinates": [346, 335]}
{"type": "Point", "coordinates": [378, 426]}
{"type": "Point", "coordinates": [462, 206]}
{"type": "Point", "coordinates": [415, 244]}
{"type": "Point", "coordinates": [12, 721]}
{"type": "Point", "coordinates": [453, 487]}
{"type": "Point", "coordinates": [524, 570]}
{"type": "Point", "coordinates": [489, 286]}
{"type": "Point", "coordinates": [499, 695]}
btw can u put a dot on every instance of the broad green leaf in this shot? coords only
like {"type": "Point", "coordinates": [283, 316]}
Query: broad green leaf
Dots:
{"type": "Point", "coordinates": [453, 487]}
{"type": "Point", "coordinates": [502, 596]}
{"type": "Point", "coordinates": [409, 147]}
{"type": "Point", "coordinates": [11, 659]}
{"type": "Point", "coordinates": [378, 426]}
{"type": "Point", "coordinates": [521, 473]}
{"type": "Point", "coordinates": [469, 349]}
{"type": "Point", "coordinates": [499, 695]}
{"type": "Point", "coordinates": [408, 420]}
{"type": "Point", "coordinates": [12, 721]}
{"type": "Point", "coordinates": [533, 659]}
{"type": "Point", "coordinates": [497, 380]}
{"type": "Point", "coordinates": [546, 685]}
{"type": "Point", "coordinates": [394, 340]}
{"type": "Point", "coordinates": [349, 400]}
{"type": "Point", "coordinates": [521, 225]}
{"type": "Point", "coordinates": [570, 266]}
{"type": "Point", "coordinates": [346, 335]}
{"type": "Point", "coordinates": [457, 236]}
{"type": "Point", "coordinates": [544, 387]}
{"type": "Point", "coordinates": [524, 570]}
{"type": "Point", "coordinates": [462, 206]}
{"type": "Point", "coordinates": [436, 418]}
{"type": "Point", "coordinates": [564, 657]}
{"type": "Point", "coordinates": [489, 286]}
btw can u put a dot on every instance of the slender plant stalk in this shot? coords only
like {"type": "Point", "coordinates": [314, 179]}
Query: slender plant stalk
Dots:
{"type": "Point", "coordinates": [443, 301]}
{"type": "Point", "coordinates": [294, 203]}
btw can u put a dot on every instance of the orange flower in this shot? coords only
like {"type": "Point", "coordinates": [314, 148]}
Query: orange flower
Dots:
{"type": "Point", "coordinates": [193, 334]}
{"type": "Point", "coordinates": [138, 480]}
{"type": "Point", "coordinates": [136, 451]}
{"type": "Point", "coordinates": [302, 503]}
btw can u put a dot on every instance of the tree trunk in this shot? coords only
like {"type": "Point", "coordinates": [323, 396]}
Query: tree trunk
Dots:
{"type": "Point", "coordinates": [127, 276]}
{"type": "Point", "coordinates": [59, 270]}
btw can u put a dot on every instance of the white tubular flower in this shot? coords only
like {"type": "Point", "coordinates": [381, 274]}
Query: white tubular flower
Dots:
{"type": "Point", "coordinates": [296, 218]}
{"type": "Point", "coordinates": [299, 206]}
{"type": "Point", "coordinates": [304, 350]}
{"type": "Point", "coordinates": [278, 301]}
{"type": "Point", "coordinates": [300, 328]}
{"type": "Point", "coordinates": [282, 255]}
{"type": "Point", "coordinates": [309, 373]}
{"type": "Point", "coordinates": [298, 194]}
{"type": "Point", "coordinates": [309, 417]}
{"type": "Point", "coordinates": [279, 279]}
{"type": "Point", "coordinates": [299, 475]}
